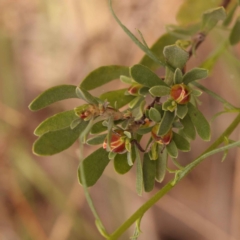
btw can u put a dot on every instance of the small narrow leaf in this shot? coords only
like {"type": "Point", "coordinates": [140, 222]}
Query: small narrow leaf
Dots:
{"type": "Point", "coordinates": [195, 74]}
{"type": "Point", "coordinates": [172, 149]}
{"type": "Point", "coordinates": [98, 128]}
{"type": "Point", "coordinates": [159, 91]}
{"type": "Point", "coordinates": [188, 127]}
{"type": "Point", "coordinates": [183, 31]}
{"type": "Point", "coordinates": [178, 76]}
{"type": "Point", "coordinates": [144, 130]}
{"type": "Point", "coordinates": [145, 76]}
{"type": "Point", "coordinates": [112, 155]}
{"type": "Point", "coordinates": [103, 75]}
{"type": "Point", "coordinates": [121, 163]}
{"type": "Point", "coordinates": [154, 115]}
{"type": "Point", "coordinates": [182, 111]}
{"type": "Point", "coordinates": [129, 158]}
{"type": "Point", "coordinates": [126, 79]}
{"type": "Point", "coordinates": [211, 17]}
{"type": "Point", "coordinates": [93, 166]}
{"type": "Point", "coordinates": [149, 172]}
{"type": "Point", "coordinates": [196, 92]}
{"type": "Point", "coordinates": [138, 111]}
{"type": "Point", "coordinates": [201, 124]}
{"type": "Point", "coordinates": [235, 33]}
{"type": "Point", "coordinates": [117, 96]}
{"type": "Point", "coordinates": [134, 39]}
{"type": "Point", "coordinates": [181, 143]}
{"type": "Point", "coordinates": [96, 140]}
{"type": "Point", "coordinates": [86, 96]}
{"type": "Point", "coordinates": [177, 125]}
{"type": "Point", "coordinates": [161, 165]}
{"type": "Point", "coordinates": [157, 48]}
{"type": "Point", "coordinates": [139, 182]}
{"type": "Point", "coordinates": [144, 91]}
{"type": "Point", "coordinates": [57, 141]}
{"type": "Point", "coordinates": [56, 122]}
{"type": "Point", "coordinates": [75, 122]}
{"type": "Point", "coordinates": [169, 105]}
{"type": "Point", "coordinates": [175, 56]}
{"type": "Point", "coordinates": [53, 95]}
{"type": "Point", "coordinates": [135, 102]}
{"type": "Point", "coordinates": [166, 123]}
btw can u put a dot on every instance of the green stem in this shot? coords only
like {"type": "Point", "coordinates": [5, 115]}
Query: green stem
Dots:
{"type": "Point", "coordinates": [98, 221]}
{"type": "Point", "coordinates": [170, 184]}
{"type": "Point", "coordinates": [214, 95]}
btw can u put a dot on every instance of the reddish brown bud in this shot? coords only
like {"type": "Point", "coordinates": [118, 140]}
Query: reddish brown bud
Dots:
{"type": "Point", "coordinates": [117, 143]}
{"type": "Point", "coordinates": [180, 93]}
{"type": "Point", "coordinates": [163, 140]}
{"type": "Point", "coordinates": [133, 90]}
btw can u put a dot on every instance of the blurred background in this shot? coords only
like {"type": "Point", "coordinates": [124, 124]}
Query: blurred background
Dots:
{"type": "Point", "coordinates": [46, 43]}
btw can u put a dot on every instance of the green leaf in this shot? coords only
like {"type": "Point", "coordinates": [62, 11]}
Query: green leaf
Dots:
{"type": "Point", "coordinates": [121, 164]}
{"type": "Point", "coordinates": [103, 75]}
{"type": "Point", "coordinates": [181, 143]}
{"type": "Point", "coordinates": [149, 172]}
{"type": "Point", "coordinates": [188, 127]}
{"type": "Point", "coordinates": [211, 17]}
{"type": "Point", "coordinates": [154, 115]}
{"type": "Point", "coordinates": [126, 79]}
{"type": "Point", "coordinates": [144, 91]}
{"type": "Point", "coordinates": [199, 121]}
{"type": "Point", "coordinates": [138, 111]}
{"type": "Point", "coordinates": [196, 92]}
{"type": "Point", "coordinates": [56, 141]}
{"type": "Point", "coordinates": [191, 11]}
{"type": "Point", "coordinates": [117, 96]}
{"type": "Point", "coordinates": [161, 166]}
{"type": "Point", "coordinates": [75, 122]}
{"type": "Point", "coordinates": [172, 149]}
{"type": "Point", "coordinates": [182, 111]}
{"type": "Point", "coordinates": [159, 91]}
{"type": "Point", "coordinates": [56, 122]}
{"type": "Point", "coordinates": [134, 39]}
{"type": "Point", "coordinates": [139, 180]}
{"type": "Point", "coordinates": [93, 166]}
{"type": "Point", "coordinates": [169, 105]}
{"type": "Point", "coordinates": [177, 125]}
{"type": "Point", "coordinates": [194, 74]}
{"type": "Point", "coordinates": [175, 56]}
{"type": "Point", "coordinates": [178, 76]}
{"type": "Point", "coordinates": [145, 76]}
{"type": "Point", "coordinates": [157, 48]}
{"type": "Point", "coordinates": [183, 31]}
{"type": "Point", "coordinates": [96, 140]}
{"type": "Point", "coordinates": [235, 33]}
{"type": "Point", "coordinates": [98, 128]}
{"type": "Point", "coordinates": [144, 130]}
{"type": "Point", "coordinates": [86, 96]}
{"type": "Point", "coordinates": [136, 101]}
{"type": "Point", "coordinates": [166, 123]}
{"type": "Point", "coordinates": [53, 95]}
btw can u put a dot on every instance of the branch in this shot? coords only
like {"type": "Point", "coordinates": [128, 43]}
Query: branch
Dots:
{"type": "Point", "coordinates": [211, 150]}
